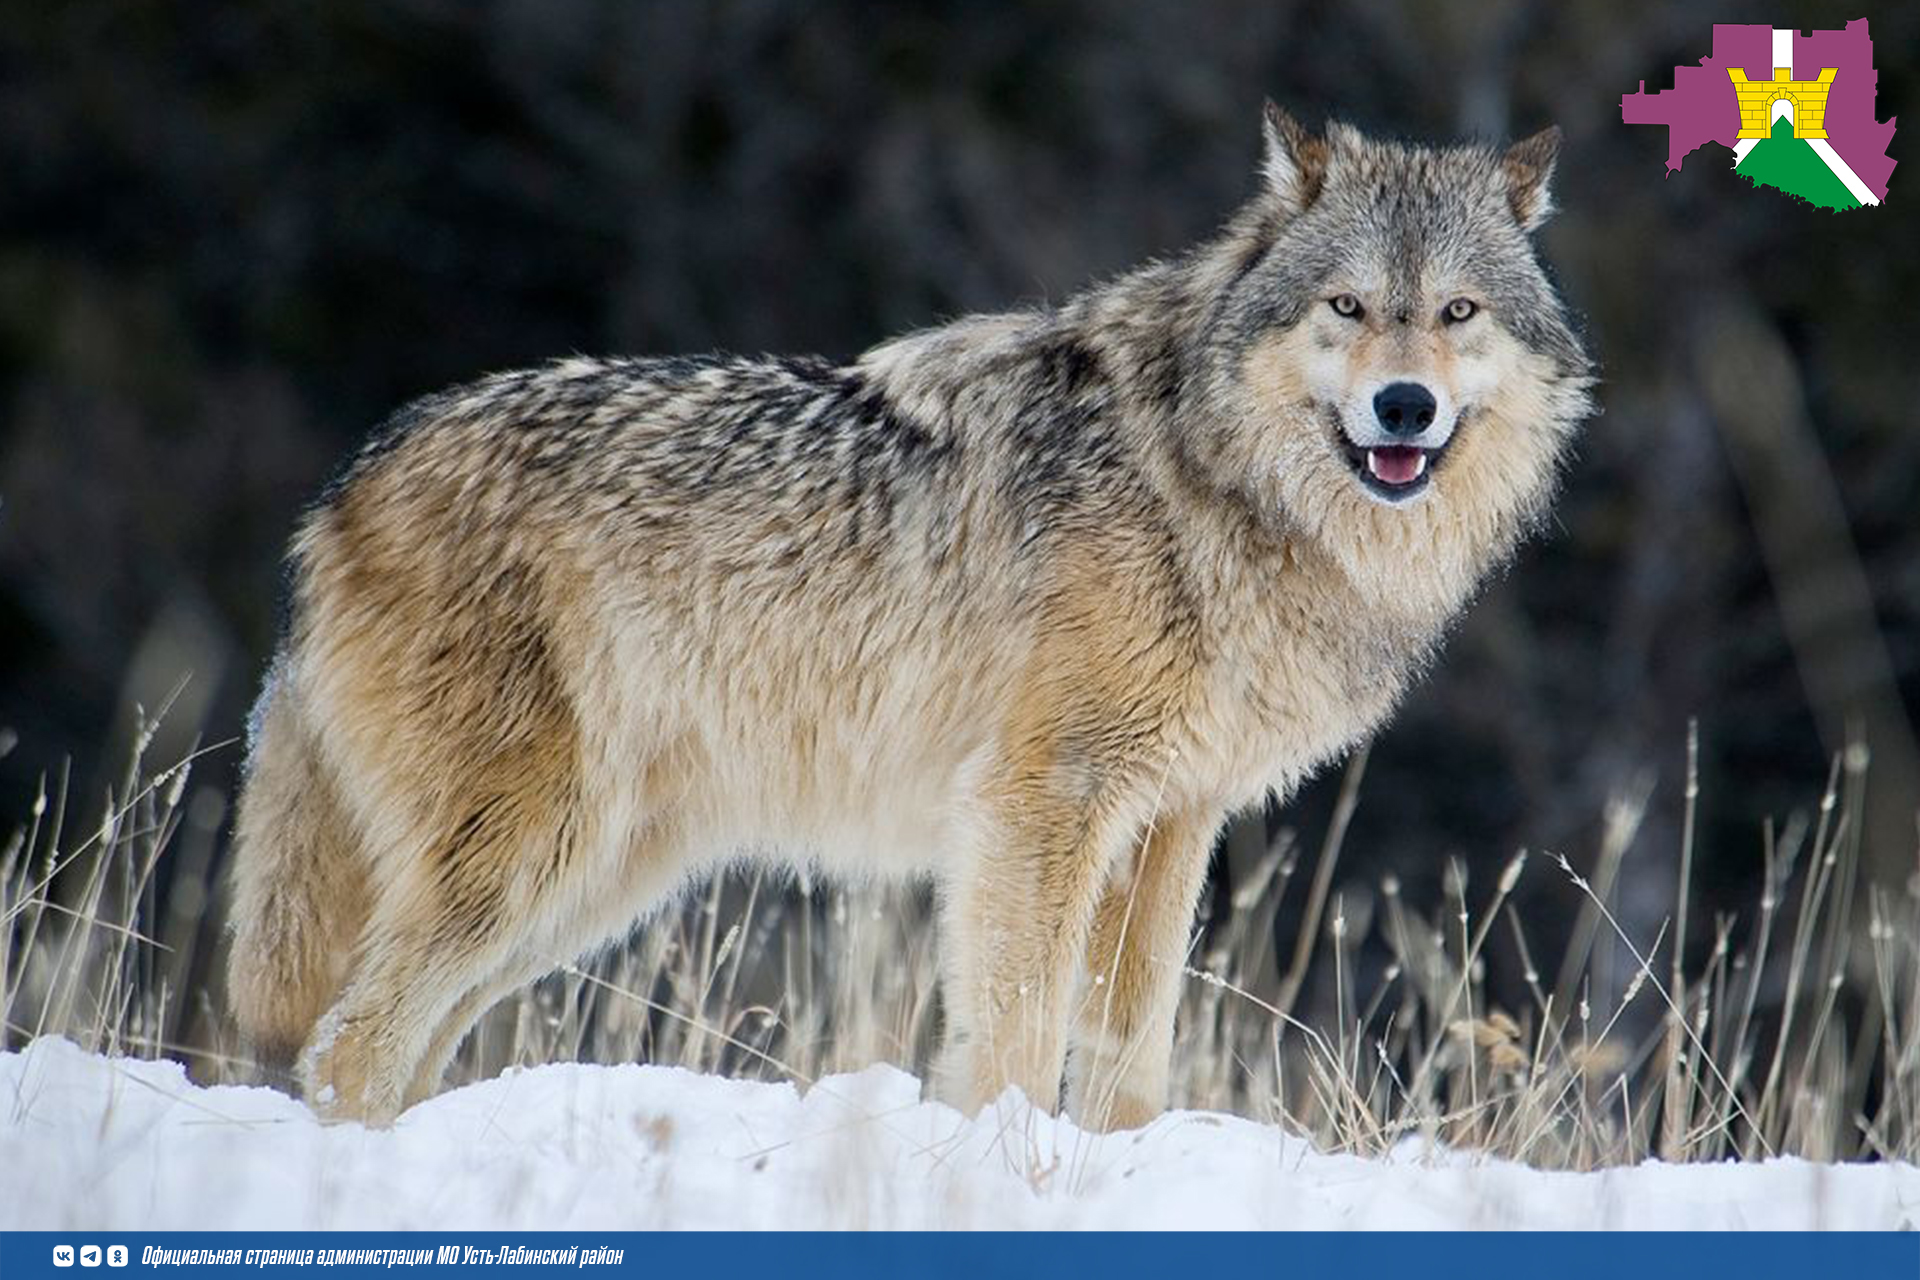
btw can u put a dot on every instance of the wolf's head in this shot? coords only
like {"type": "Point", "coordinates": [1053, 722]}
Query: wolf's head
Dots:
{"type": "Point", "coordinates": [1398, 376]}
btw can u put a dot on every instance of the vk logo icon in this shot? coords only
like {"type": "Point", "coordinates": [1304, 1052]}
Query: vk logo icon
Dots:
{"type": "Point", "coordinates": [63, 1255]}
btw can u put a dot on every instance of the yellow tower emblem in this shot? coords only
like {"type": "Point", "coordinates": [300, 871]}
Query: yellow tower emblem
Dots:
{"type": "Point", "coordinates": [1807, 98]}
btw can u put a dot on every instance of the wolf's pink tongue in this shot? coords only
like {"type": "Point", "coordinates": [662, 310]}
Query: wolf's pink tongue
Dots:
{"type": "Point", "coordinates": [1396, 464]}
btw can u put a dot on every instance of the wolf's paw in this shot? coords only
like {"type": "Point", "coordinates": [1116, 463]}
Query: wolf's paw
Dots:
{"type": "Point", "coordinates": [343, 1076]}
{"type": "Point", "coordinates": [1115, 1114]}
{"type": "Point", "coordinates": [1110, 1087]}
{"type": "Point", "coordinates": [950, 1080]}
{"type": "Point", "coordinates": [967, 1080]}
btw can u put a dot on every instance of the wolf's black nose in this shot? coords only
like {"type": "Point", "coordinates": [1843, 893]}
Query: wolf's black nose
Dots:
{"type": "Point", "coordinates": [1404, 408]}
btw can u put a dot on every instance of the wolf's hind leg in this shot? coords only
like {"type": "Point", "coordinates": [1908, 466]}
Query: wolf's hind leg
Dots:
{"type": "Point", "coordinates": [526, 966]}
{"type": "Point", "coordinates": [467, 1011]}
{"type": "Point", "coordinates": [1123, 1028]}
{"type": "Point", "coordinates": [467, 900]}
{"type": "Point", "coordinates": [615, 899]}
{"type": "Point", "coordinates": [369, 1047]}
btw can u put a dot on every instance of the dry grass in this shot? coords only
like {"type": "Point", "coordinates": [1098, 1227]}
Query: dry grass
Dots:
{"type": "Point", "coordinates": [1804, 1039]}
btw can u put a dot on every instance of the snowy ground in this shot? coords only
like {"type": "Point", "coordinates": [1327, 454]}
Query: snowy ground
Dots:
{"type": "Point", "coordinates": [119, 1144]}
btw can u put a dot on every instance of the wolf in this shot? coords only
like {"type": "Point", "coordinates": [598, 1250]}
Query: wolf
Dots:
{"type": "Point", "coordinates": [1026, 603]}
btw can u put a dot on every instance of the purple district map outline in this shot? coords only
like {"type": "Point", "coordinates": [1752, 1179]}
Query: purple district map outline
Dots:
{"type": "Point", "coordinates": [1702, 107]}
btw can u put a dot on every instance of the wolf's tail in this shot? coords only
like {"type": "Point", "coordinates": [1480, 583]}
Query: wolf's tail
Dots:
{"type": "Point", "coordinates": [299, 896]}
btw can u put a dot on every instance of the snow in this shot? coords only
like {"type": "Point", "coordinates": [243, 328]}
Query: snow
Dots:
{"type": "Point", "coordinates": [99, 1143]}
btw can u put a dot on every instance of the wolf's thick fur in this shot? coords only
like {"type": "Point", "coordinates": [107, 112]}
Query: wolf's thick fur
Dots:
{"type": "Point", "coordinates": [1027, 602]}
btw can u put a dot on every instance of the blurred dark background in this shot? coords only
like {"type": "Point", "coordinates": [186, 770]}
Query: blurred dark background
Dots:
{"type": "Point", "coordinates": [234, 236]}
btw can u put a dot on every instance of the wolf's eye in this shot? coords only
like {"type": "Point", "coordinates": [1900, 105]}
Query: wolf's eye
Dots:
{"type": "Point", "coordinates": [1461, 309]}
{"type": "Point", "coordinates": [1345, 304]}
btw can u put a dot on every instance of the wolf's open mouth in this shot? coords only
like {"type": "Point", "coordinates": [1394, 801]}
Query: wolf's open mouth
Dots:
{"type": "Point", "coordinates": [1394, 471]}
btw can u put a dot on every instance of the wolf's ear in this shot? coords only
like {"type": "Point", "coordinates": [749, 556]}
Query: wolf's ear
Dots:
{"type": "Point", "coordinates": [1528, 166]}
{"type": "Point", "coordinates": [1295, 162]}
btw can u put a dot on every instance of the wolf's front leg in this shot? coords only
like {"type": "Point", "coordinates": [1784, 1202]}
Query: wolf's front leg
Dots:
{"type": "Point", "coordinates": [1123, 1025]}
{"type": "Point", "coordinates": [1015, 919]}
